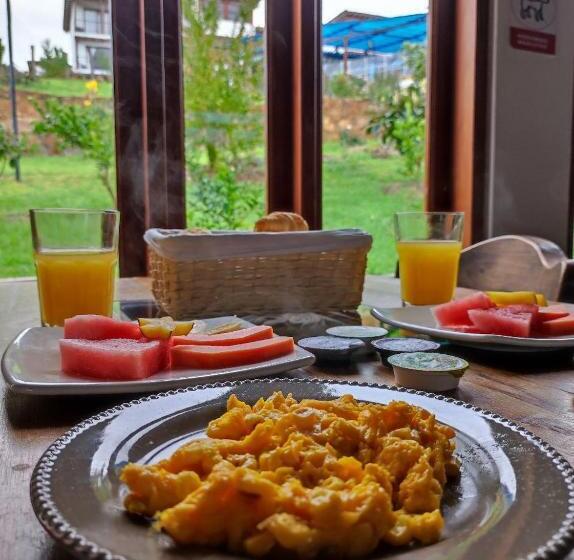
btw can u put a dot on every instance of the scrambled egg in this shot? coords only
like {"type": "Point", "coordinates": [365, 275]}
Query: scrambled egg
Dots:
{"type": "Point", "coordinates": [337, 477]}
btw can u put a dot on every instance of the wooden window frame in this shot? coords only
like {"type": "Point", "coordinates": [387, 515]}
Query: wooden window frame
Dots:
{"type": "Point", "coordinates": [148, 101]}
{"type": "Point", "coordinates": [150, 116]}
{"type": "Point", "coordinates": [457, 103]}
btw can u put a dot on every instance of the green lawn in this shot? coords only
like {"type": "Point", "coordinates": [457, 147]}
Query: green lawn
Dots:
{"type": "Point", "coordinates": [359, 191]}
{"type": "Point", "coordinates": [363, 191]}
{"type": "Point", "coordinates": [59, 87]}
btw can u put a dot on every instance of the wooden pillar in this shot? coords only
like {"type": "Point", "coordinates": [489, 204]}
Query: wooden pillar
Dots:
{"type": "Point", "coordinates": [294, 107]}
{"type": "Point", "coordinates": [148, 102]}
{"type": "Point", "coordinates": [457, 111]}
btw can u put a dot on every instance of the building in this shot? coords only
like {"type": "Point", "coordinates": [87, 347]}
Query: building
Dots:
{"type": "Point", "coordinates": [346, 15]}
{"type": "Point", "coordinates": [89, 25]}
{"type": "Point", "coordinates": [88, 22]}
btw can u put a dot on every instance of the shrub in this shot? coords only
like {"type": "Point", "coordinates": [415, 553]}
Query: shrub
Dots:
{"type": "Point", "coordinates": [220, 202]}
{"type": "Point", "coordinates": [223, 86]}
{"type": "Point", "coordinates": [345, 86]}
{"type": "Point", "coordinates": [401, 120]}
{"type": "Point", "coordinates": [11, 149]}
{"type": "Point", "coordinates": [54, 61]}
{"type": "Point", "coordinates": [86, 127]}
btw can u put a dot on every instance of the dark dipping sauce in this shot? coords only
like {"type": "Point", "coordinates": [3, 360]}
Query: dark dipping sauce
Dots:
{"type": "Point", "coordinates": [331, 347]}
{"type": "Point", "coordinates": [387, 347]}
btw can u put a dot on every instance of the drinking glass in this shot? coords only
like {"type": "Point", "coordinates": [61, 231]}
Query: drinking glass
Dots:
{"type": "Point", "coordinates": [429, 245]}
{"type": "Point", "coordinates": [75, 252]}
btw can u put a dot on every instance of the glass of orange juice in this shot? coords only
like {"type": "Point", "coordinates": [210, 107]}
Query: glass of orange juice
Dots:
{"type": "Point", "coordinates": [75, 252]}
{"type": "Point", "coordinates": [429, 245]}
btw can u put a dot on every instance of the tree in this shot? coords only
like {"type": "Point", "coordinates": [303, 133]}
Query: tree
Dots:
{"type": "Point", "coordinates": [86, 127]}
{"type": "Point", "coordinates": [54, 61]}
{"type": "Point", "coordinates": [223, 85]}
{"type": "Point", "coordinates": [401, 120]}
{"type": "Point", "coordinates": [10, 149]}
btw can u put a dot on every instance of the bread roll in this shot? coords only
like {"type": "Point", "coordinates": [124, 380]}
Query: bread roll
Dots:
{"type": "Point", "coordinates": [282, 221]}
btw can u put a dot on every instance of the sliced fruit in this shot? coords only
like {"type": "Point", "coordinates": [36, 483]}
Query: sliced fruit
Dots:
{"type": "Point", "coordinates": [512, 298]}
{"type": "Point", "coordinates": [470, 329]}
{"type": "Point", "coordinates": [217, 357]}
{"type": "Point", "coordinates": [541, 300]}
{"type": "Point", "coordinates": [98, 327]}
{"type": "Point", "coordinates": [164, 327]}
{"type": "Point", "coordinates": [113, 359]}
{"type": "Point", "coordinates": [226, 328]}
{"type": "Point", "coordinates": [502, 321]}
{"type": "Point", "coordinates": [456, 312]}
{"type": "Point", "coordinates": [558, 327]}
{"type": "Point", "coordinates": [226, 339]}
{"type": "Point", "coordinates": [550, 313]}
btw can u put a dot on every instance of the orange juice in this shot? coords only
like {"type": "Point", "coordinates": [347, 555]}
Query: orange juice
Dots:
{"type": "Point", "coordinates": [75, 282]}
{"type": "Point", "coordinates": [428, 270]}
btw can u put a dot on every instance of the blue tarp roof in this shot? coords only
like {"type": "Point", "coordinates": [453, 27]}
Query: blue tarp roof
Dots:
{"type": "Point", "coordinates": [375, 35]}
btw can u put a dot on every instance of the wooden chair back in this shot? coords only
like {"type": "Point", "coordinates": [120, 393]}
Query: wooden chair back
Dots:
{"type": "Point", "coordinates": [516, 263]}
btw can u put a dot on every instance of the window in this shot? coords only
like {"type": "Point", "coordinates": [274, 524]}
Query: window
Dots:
{"type": "Point", "coordinates": [80, 23]}
{"type": "Point", "coordinates": [93, 21]}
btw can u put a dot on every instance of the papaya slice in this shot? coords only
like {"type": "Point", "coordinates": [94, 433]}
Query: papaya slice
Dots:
{"type": "Point", "coordinates": [219, 357]}
{"type": "Point", "coordinates": [225, 339]}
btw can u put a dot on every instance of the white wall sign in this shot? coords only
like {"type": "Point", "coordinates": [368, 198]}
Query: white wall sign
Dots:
{"type": "Point", "coordinates": [533, 25]}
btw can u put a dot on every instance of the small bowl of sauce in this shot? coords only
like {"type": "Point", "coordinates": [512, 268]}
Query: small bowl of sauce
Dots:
{"type": "Point", "coordinates": [428, 371]}
{"type": "Point", "coordinates": [331, 348]}
{"type": "Point", "coordinates": [387, 347]}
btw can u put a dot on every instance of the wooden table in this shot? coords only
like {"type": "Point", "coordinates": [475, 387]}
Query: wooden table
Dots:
{"type": "Point", "coordinates": [536, 393]}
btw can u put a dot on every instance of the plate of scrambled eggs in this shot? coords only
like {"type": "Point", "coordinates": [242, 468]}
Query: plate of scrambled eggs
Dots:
{"type": "Point", "coordinates": [303, 469]}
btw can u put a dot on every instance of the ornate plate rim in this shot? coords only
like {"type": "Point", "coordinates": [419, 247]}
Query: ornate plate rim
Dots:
{"type": "Point", "coordinates": [54, 523]}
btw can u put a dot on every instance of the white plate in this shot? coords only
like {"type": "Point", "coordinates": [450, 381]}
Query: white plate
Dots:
{"type": "Point", "coordinates": [419, 319]}
{"type": "Point", "coordinates": [31, 364]}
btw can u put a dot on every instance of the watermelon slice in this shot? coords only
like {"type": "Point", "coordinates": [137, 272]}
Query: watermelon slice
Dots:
{"type": "Point", "coordinates": [558, 327]}
{"type": "Point", "coordinates": [456, 312]}
{"type": "Point", "coordinates": [114, 359]}
{"type": "Point", "coordinates": [502, 321]}
{"type": "Point", "coordinates": [550, 313]}
{"type": "Point", "coordinates": [216, 357]}
{"type": "Point", "coordinates": [98, 327]}
{"type": "Point", "coordinates": [226, 339]}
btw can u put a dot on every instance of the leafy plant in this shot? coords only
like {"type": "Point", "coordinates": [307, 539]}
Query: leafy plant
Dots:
{"type": "Point", "coordinates": [87, 127]}
{"type": "Point", "coordinates": [401, 121]}
{"type": "Point", "coordinates": [54, 61]}
{"type": "Point", "coordinates": [346, 86]}
{"type": "Point", "coordinates": [11, 149]}
{"type": "Point", "coordinates": [223, 86]}
{"type": "Point", "coordinates": [220, 202]}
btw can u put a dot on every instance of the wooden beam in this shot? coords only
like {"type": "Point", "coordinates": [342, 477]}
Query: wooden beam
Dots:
{"type": "Point", "coordinates": [438, 162]}
{"type": "Point", "coordinates": [127, 18]}
{"type": "Point", "coordinates": [457, 111]}
{"type": "Point", "coordinates": [294, 107]}
{"type": "Point", "coordinates": [279, 124]}
{"type": "Point", "coordinates": [308, 114]}
{"type": "Point", "coordinates": [148, 102]}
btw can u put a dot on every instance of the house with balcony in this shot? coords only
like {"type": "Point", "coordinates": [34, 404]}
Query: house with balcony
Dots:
{"type": "Point", "coordinates": [89, 25]}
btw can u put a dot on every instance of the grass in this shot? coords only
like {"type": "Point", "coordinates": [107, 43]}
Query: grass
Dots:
{"type": "Point", "coordinates": [360, 190]}
{"type": "Point", "coordinates": [60, 87]}
{"type": "Point", "coordinates": [48, 182]}
{"type": "Point", "coordinates": [364, 191]}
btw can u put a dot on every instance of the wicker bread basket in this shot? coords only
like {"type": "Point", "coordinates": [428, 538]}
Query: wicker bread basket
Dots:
{"type": "Point", "coordinates": [255, 274]}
